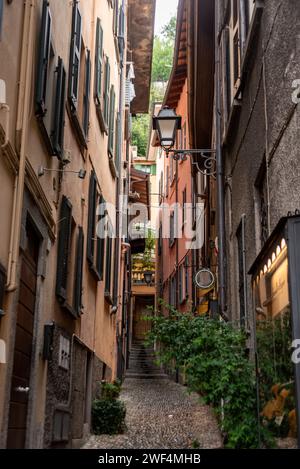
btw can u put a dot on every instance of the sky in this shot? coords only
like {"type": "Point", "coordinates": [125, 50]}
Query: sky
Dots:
{"type": "Point", "coordinates": [165, 9]}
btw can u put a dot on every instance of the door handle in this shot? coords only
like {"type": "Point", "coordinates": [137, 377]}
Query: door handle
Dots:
{"type": "Point", "coordinates": [22, 389]}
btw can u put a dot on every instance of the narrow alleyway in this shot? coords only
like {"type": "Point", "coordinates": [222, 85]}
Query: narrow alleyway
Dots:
{"type": "Point", "coordinates": [160, 413]}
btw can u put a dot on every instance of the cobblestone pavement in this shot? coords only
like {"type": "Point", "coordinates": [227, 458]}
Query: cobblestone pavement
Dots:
{"type": "Point", "coordinates": [160, 414]}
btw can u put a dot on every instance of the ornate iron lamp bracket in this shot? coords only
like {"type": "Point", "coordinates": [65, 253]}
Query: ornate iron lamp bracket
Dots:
{"type": "Point", "coordinates": [208, 155]}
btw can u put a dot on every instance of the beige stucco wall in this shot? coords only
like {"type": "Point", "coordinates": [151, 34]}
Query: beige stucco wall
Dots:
{"type": "Point", "coordinates": [97, 327]}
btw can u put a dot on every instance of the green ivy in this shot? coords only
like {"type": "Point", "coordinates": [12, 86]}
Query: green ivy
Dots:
{"type": "Point", "coordinates": [212, 355]}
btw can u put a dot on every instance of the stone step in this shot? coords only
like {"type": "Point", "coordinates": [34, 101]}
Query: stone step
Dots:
{"type": "Point", "coordinates": [146, 376]}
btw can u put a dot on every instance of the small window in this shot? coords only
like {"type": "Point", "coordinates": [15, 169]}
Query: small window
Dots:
{"type": "Point", "coordinates": [64, 352]}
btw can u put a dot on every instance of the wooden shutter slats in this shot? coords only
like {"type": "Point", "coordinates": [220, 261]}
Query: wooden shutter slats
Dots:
{"type": "Point", "coordinates": [43, 60]}
{"type": "Point", "coordinates": [91, 218]}
{"type": "Point", "coordinates": [59, 110]}
{"type": "Point", "coordinates": [106, 92]}
{"type": "Point", "coordinates": [63, 248]}
{"type": "Point", "coordinates": [79, 273]}
{"type": "Point", "coordinates": [86, 98]}
{"type": "Point", "coordinates": [74, 68]}
{"type": "Point", "coordinates": [100, 246]}
{"type": "Point", "coordinates": [98, 63]}
{"type": "Point", "coordinates": [111, 128]}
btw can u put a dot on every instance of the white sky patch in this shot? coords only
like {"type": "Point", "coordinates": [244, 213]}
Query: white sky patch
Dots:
{"type": "Point", "coordinates": [165, 9]}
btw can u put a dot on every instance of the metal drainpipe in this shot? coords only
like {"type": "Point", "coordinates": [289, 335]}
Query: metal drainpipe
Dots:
{"type": "Point", "coordinates": [21, 130]}
{"type": "Point", "coordinates": [119, 185]}
{"type": "Point", "coordinates": [220, 175]}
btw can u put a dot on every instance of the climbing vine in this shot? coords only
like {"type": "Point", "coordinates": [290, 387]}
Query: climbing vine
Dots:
{"type": "Point", "coordinates": [212, 356]}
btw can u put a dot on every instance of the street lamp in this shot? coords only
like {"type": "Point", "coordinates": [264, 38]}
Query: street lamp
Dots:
{"type": "Point", "coordinates": [148, 275]}
{"type": "Point", "coordinates": [166, 124]}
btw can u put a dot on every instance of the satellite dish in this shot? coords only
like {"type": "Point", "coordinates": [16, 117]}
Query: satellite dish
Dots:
{"type": "Point", "coordinates": [204, 279]}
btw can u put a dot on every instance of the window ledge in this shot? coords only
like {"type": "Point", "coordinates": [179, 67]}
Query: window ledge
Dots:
{"type": "Point", "coordinates": [69, 309]}
{"type": "Point", "coordinates": [81, 138]}
{"type": "Point", "coordinates": [100, 116]}
{"type": "Point", "coordinates": [112, 166]}
{"type": "Point", "coordinates": [108, 298]}
{"type": "Point", "coordinates": [95, 272]}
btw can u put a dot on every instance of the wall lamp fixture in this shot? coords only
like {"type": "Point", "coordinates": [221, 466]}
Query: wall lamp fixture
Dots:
{"type": "Point", "coordinates": [81, 173]}
{"type": "Point", "coordinates": [166, 124]}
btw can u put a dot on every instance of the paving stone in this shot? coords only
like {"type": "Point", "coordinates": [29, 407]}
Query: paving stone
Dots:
{"type": "Point", "coordinates": [161, 414]}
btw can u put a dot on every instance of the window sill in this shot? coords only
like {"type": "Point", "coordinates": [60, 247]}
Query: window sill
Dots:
{"type": "Point", "coordinates": [95, 272]}
{"type": "Point", "coordinates": [101, 121]}
{"type": "Point", "coordinates": [45, 135]}
{"type": "Point", "coordinates": [80, 136]}
{"type": "Point", "coordinates": [69, 309]}
{"type": "Point", "coordinates": [112, 167]}
{"type": "Point", "coordinates": [108, 298]}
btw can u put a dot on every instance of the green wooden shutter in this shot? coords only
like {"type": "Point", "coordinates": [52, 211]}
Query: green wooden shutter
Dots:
{"type": "Point", "coordinates": [86, 97]}
{"type": "Point", "coordinates": [116, 17]}
{"type": "Point", "coordinates": [121, 34]}
{"type": "Point", "coordinates": [106, 92]}
{"type": "Point", "coordinates": [98, 63]}
{"type": "Point", "coordinates": [75, 51]}
{"type": "Point", "coordinates": [78, 273]}
{"type": "Point", "coordinates": [111, 129]}
{"type": "Point", "coordinates": [91, 218]}
{"type": "Point", "coordinates": [108, 266]}
{"type": "Point", "coordinates": [43, 60]}
{"type": "Point", "coordinates": [57, 134]}
{"type": "Point", "coordinates": [63, 252]}
{"type": "Point", "coordinates": [100, 246]}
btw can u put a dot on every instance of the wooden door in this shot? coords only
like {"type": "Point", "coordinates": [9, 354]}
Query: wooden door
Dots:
{"type": "Point", "coordinates": [18, 406]}
{"type": "Point", "coordinates": [140, 326]}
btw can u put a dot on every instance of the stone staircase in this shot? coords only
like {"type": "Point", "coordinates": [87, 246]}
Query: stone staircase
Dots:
{"type": "Point", "coordinates": [142, 363]}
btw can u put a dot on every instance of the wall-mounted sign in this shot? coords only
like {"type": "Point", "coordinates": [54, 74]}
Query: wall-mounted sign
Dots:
{"type": "Point", "coordinates": [205, 279]}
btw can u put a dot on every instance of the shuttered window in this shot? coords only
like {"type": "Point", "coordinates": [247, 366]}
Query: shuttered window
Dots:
{"type": "Point", "coordinates": [121, 36]}
{"type": "Point", "coordinates": [181, 284]}
{"type": "Point", "coordinates": [91, 218]}
{"type": "Point", "coordinates": [99, 63]}
{"type": "Point", "coordinates": [64, 238]}
{"type": "Point", "coordinates": [116, 17]}
{"type": "Point", "coordinates": [59, 110]}
{"type": "Point", "coordinates": [118, 149]}
{"type": "Point", "coordinates": [106, 93]}
{"type": "Point", "coordinates": [172, 229]}
{"type": "Point", "coordinates": [95, 238]}
{"type": "Point", "coordinates": [74, 69]}
{"type": "Point", "coordinates": [108, 265]}
{"type": "Point", "coordinates": [240, 235]}
{"type": "Point", "coordinates": [43, 60]}
{"type": "Point", "coordinates": [111, 129]}
{"type": "Point", "coordinates": [86, 97]}
{"type": "Point", "coordinates": [100, 242]}
{"type": "Point", "coordinates": [77, 298]}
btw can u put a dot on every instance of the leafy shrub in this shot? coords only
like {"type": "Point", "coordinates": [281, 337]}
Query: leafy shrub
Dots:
{"type": "Point", "coordinates": [108, 416]}
{"type": "Point", "coordinates": [111, 390]}
{"type": "Point", "coordinates": [212, 355]}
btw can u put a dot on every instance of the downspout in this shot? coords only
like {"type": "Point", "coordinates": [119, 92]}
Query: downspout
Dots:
{"type": "Point", "coordinates": [21, 133]}
{"type": "Point", "coordinates": [118, 186]}
{"type": "Point", "coordinates": [220, 176]}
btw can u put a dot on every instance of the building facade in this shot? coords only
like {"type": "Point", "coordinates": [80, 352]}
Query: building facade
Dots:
{"type": "Point", "coordinates": [64, 141]}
